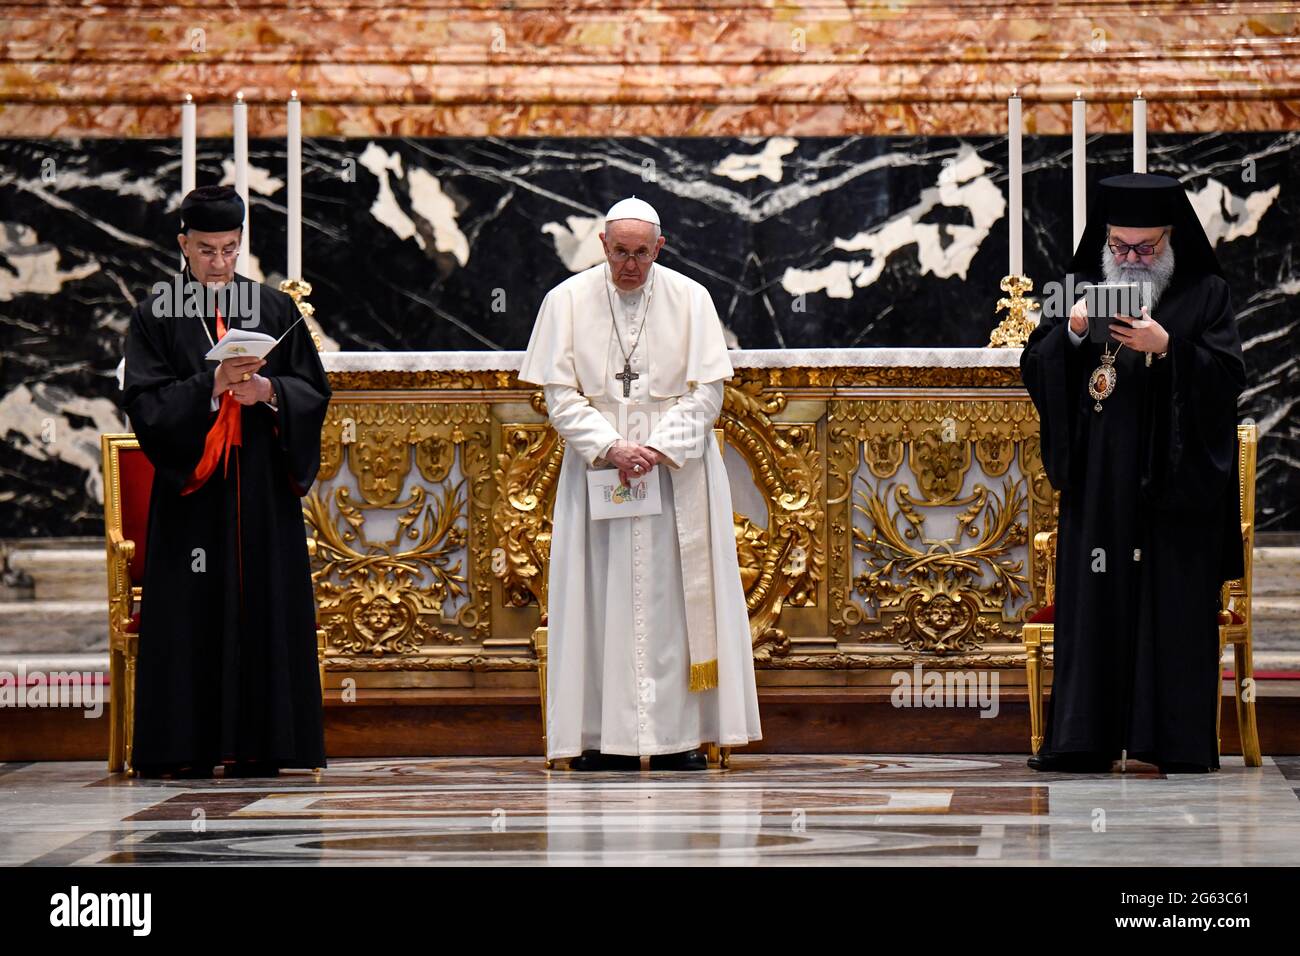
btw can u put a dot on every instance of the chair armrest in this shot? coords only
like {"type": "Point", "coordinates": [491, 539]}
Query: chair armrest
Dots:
{"type": "Point", "coordinates": [123, 548]}
{"type": "Point", "coordinates": [121, 597]}
{"type": "Point", "coordinates": [1045, 545]}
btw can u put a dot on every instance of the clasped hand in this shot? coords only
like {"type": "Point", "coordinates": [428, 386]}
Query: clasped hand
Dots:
{"type": "Point", "coordinates": [628, 456]}
{"type": "Point", "coordinates": [230, 377]}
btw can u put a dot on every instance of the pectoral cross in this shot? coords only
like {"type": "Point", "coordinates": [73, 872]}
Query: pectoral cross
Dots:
{"type": "Point", "coordinates": [627, 377]}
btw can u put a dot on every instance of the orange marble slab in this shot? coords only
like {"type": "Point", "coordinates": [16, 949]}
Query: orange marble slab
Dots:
{"type": "Point", "coordinates": [445, 67]}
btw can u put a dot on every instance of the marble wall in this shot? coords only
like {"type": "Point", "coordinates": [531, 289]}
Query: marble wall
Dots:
{"type": "Point", "coordinates": [450, 243]}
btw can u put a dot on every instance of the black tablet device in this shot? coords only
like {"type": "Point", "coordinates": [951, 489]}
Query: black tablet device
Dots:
{"type": "Point", "coordinates": [1105, 301]}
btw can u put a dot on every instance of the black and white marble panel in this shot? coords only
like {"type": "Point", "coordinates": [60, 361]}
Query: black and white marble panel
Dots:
{"type": "Point", "coordinates": [451, 243]}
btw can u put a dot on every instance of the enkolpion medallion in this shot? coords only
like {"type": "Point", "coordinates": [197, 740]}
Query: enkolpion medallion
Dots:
{"type": "Point", "coordinates": [1102, 381]}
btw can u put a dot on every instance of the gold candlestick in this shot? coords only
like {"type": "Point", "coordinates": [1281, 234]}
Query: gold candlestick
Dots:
{"type": "Point", "coordinates": [1013, 331]}
{"type": "Point", "coordinates": [298, 290]}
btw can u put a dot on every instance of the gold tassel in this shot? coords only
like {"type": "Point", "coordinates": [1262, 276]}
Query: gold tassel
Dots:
{"type": "Point", "coordinates": [704, 676]}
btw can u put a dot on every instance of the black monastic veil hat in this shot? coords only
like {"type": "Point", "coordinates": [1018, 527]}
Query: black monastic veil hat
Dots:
{"type": "Point", "coordinates": [212, 209]}
{"type": "Point", "coordinates": [1149, 201]}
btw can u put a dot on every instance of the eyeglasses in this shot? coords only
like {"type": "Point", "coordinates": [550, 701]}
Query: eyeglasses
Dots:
{"type": "Point", "coordinates": [1122, 249]}
{"type": "Point", "coordinates": [620, 256]}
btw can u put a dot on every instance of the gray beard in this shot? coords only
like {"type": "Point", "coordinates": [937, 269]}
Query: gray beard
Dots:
{"type": "Point", "coordinates": [1152, 280]}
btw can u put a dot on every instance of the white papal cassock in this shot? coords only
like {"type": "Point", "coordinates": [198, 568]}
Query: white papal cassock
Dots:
{"type": "Point", "coordinates": [623, 612]}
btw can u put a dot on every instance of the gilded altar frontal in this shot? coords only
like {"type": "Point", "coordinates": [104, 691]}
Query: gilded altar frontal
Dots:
{"type": "Point", "coordinates": [883, 518]}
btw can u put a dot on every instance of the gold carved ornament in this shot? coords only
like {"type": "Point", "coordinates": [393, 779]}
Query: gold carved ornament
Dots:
{"type": "Point", "coordinates": [384, 603]}
{"type": "Point", "coordinates": [931, 595]}
{"type": "Point", "coordinates": [784, 564]}
{"type": "Point", "coordinates": [526, 476]}
{"type": "Point", "coordinates": [1014, 329]}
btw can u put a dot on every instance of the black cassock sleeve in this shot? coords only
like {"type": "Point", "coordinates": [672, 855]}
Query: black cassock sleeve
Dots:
{"type": "Point", "coordinates": [302, 393]}
{"type": "Point", "coordinates": [1191, 454]}
{"type": "Point", "coordinates": [1053, 371]}
{"type": "Point", "coordinates": [169, 414]}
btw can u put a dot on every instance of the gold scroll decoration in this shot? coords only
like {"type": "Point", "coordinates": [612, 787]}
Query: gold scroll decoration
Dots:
{"type": "Point", "coordinates": [896, 582]}
{"type": "Point", "coordinates": [384, 602]}
{"type": "Point", "coordinates": [786, 561]}
{"type": "Point", "coordinates": [526, 475]}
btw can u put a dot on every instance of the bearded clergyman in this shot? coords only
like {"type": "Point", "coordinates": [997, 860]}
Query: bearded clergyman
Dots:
{"type": "Point", "coordinates": [1138, 432]}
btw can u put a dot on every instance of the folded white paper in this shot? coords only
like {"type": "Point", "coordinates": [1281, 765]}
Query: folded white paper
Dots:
{"type": "Point", "coordinates": [610, 498]}
{"type": "Point", "coordinates": [241, 343]}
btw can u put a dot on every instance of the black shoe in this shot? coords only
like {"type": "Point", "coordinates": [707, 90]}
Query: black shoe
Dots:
{"type": "Point", "coordinates": [1070, 763]}
{"type": "Point", "coordinates": [686, 760]}
{"type": "Point", "coordinates": [1176, 767]}
{"type": "Point", "coordinates": [595, 760]}
{"type": "Point", "coordinates": [251, 768]}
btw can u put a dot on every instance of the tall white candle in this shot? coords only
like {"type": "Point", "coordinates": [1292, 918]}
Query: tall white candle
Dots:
{"type": "Point", "coordinates": [1013, 179]}
{"type": "Point", "coordinates": [1079, 167]}
{"type": "Point", "coordinates": [295, 186]}
{"type": "Point", "coordinates": [1139, 134]}
{"type": "Point", "coordinates": [189, 136]}
{"type": "Point", "coordinates": [241, 177]}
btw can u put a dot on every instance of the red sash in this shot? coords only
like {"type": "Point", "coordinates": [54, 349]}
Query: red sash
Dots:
{"type": "Point", "coordinates": [225, 433]}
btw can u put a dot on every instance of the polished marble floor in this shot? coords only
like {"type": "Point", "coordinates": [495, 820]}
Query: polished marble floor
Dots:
{"type": "Point", "coordinates": [786, 810]}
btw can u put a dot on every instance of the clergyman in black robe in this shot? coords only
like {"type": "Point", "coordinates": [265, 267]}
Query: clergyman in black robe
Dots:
{"type": "Point", "coordinates": [1139, 438]}
{"type": "Point", "coordinates": [227, 668]}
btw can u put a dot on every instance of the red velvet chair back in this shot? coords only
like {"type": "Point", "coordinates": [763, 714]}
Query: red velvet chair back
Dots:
{"type": "Point", "coordinates": [136, 479]}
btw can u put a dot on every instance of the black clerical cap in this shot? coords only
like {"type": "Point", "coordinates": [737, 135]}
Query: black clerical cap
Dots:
{"type": "Point", "coordinates": [1145, 200]}
{"type": "Point", "coordinates": [212, 209]}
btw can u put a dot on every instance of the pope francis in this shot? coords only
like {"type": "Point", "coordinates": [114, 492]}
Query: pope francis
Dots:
{"type": "Point", "coordinates": [649, 640]}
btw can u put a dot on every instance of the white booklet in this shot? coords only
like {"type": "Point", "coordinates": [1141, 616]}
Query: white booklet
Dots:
{"type": "Point", "coordinates": [610, 498]}
{"type": "Point", "coordinates": [242, 343]}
